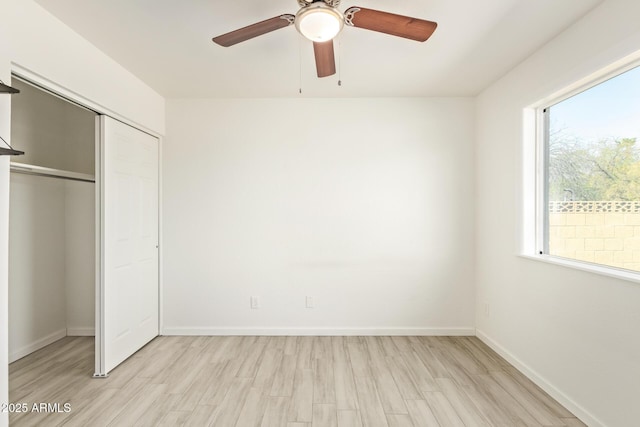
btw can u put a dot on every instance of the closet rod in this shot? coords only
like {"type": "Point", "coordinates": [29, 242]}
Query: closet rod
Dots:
{"type": "Point", "coordinates": [50, 173]}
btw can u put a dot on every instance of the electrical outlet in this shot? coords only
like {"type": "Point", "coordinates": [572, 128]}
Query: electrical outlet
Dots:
{"type": "Point", "coordinates": [255, 302]}
{"type": "Point", "coordinates": [309, 302]}
{"type": "Point", "coordinates": [487, 309]}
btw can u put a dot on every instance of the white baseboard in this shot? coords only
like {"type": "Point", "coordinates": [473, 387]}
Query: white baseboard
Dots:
{"type": "Point", "coordinates": [542, 382]}
{"type": "Point", "coordinates": [37, 345]}
{"type": "Point", "coordinates": [81, 332]}
{"type": "Point", "coordinates": [207, 331]}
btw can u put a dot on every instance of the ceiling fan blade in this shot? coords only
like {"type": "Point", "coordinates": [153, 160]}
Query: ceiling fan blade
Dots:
{"type": "Point", "coordinates": [255, 30]}
{"type": "Point", "coordinates": [390, 23]}
{"type": "Point", "coordinates": [325, 58]}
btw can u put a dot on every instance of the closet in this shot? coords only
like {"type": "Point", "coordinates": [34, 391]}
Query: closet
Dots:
{"type": "Point", "coordinates": [51, 220]}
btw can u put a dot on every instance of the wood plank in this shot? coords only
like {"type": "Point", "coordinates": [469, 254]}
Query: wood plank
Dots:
{"type": "Point", "coordinates": [214, 394]}
{"type": "Point", "coordinates": [226, 349]}
{"type": "Point", "coordinates": [492, 390]}
{"type": "Point", "coordinates": [553, 405]}
{"type": "Point", "coordinates": [253, 410]}
{"type": "Point", "coordinates": [276, 412]}
{"type": "Point", "coordinates": [209, 374]}
{"type": "Point", "coordinates": [239, 353]}
{"type": "Point", "coordinates": [322, 348]}
{"type": "Point", "coordinates": [174, 418]}
{"type": "Point", "coordinates": [349, 418]}
{"type": "Point", "coordinates": [323, 382]}
{"type": "Point", "coordinates": [390, 396]}
{"type": "Point", "coordinates": [251, 360]}
{"type": "Point", "coordinates": [573, 422]}
{"type": "Point", "coordinates": [229, 410]}
{"type": "Point", "coordinates": [479, 344]}
{"type": "Point", "coordinates": [201, 416]}
{"type": "Point", "coordinates": [371, 409]}
{"type": "Point", "coordinates": [155, 366]}
{"type": "Point", "coordinates": [324, 415]}
{"type": "Point", "coordinates": [301, 408]}
{"type": "Point", "coordinates": [488, 362]}
{"type": "Point", "coordinates": [139, 406]}
{"type": "Point", "coordinates": [87, 415]}
{"type": "Point", "coordinates": [277, 343]}
{"type": "Point", "coordinates": [105, 414]}
{"type": "Point", "coordinates": [156, 413]}
{"type": "Point", "coordinates": [537, 409]}
{"type": "Point", "coordinates": [345, 387]}
{"type": "Point", "coordinates": [373, 346]}
{"type": "Point", "coordinates": [339, 349]}
{"type": "Point", "coordinates": [489, 409]}
{"type": "Point", "coordinates": [388, 346]}
{"type": "Point", "coordinates": [430, 360]}
{"type": "Point", "coordinates": [305, 347]}
{"type": "Point", "coordinates": [442, 409]}
{"type": "Point", "coordinates": [403, 378]}
{"type": "Point", "coordinates": [419, 372]}
{"type": "Point", "coordinates": [291, 346]}
{"type": "Point", "coordinates": [185, 374]}
{"type": "Point", "coordinates": [464, 358]}
{"type": "Point", "coordinates": [268, 366]}
{"type": "Point", "coordinates": [421, 414]}
{"type": "Point", "coordinates": [284, 376]}
{"type": "Point", "coordinates": [463, 405]}
{"type": "Point", "coordinates": [399, 420]}
{"type": "Point", "coordinates": [402, 344]}
{"type": "Point", "coordinates": [359, 360]}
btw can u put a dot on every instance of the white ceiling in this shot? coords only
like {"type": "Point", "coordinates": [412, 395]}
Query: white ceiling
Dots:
{"type": "Point", "coordinates": [167, 44]}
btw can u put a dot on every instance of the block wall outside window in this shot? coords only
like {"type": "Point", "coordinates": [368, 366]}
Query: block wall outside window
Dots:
{"type": "Point", "coordinates": [606, 232]}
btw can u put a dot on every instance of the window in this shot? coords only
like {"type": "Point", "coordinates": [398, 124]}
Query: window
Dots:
{"type": "Point", "coordinates": [590, 174]}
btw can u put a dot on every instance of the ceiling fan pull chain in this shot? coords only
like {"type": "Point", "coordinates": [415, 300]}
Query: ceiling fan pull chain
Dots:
{"type": "Point", "coordinates": [300, 65]}
{"type": "Point", "coordinates": [339, 61]}
{"type": "Point", "coordinates": [349, 14]}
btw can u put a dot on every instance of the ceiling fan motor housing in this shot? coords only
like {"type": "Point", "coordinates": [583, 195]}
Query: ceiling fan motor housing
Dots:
{"type": "Point", "coordinates": [332, 3]}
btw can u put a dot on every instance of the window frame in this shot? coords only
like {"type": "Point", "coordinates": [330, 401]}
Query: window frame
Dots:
{"type": "Point", "coordinates": [535, 218]}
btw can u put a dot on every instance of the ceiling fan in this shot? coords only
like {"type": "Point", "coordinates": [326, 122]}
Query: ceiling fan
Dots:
{"type": "Point", "coordinates": [320, 21]}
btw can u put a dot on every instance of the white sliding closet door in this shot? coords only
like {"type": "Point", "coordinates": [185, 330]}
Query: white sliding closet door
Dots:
{"type": "Point", "coordinates": [128, 298]}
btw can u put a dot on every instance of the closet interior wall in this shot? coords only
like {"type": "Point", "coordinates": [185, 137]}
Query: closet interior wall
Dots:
{"type": "Point", "coordinates": [51, 223]}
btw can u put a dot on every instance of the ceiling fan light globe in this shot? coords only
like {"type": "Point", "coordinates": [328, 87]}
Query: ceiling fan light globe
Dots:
{"type": "Point", "coordinates": [319, 23]}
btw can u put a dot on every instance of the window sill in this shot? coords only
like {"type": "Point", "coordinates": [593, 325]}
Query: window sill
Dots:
{"type": "Point", "coordinates": [602, 270]}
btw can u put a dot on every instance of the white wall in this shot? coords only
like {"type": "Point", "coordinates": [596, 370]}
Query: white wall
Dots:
{"type": "Point", "coordinates": [52, 132]}
{"type": "Point", "coordinates": [51, 261]}
{"type": "Point", "coordinates": [575, 332]}
{"type": "Point", "coordinates": [36, 41]}
{"type": "Point", "coordinates": [45, 46]}
{"type": "Point", "coordinates": [4, 253]}
{"type": "Point", "coordinates": [5, 126]}
{"type": "Point", "coordinates": [37, 295]}
{"type": "Point", "coordinates": [80, 257]}
{"type": "Point", "coordinates": [364, 204]}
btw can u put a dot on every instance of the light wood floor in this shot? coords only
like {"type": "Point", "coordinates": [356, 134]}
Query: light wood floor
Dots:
{"type": "Point", "coordinates": [285, 381]}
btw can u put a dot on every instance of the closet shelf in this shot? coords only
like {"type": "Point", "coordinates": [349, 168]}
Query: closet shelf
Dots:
{"type": "Point", "coordinates": [10, 152]}
{"type": "Point", "coordinates": [7, 89]}
{"type": "Point", "coordinates": [51, 173]}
